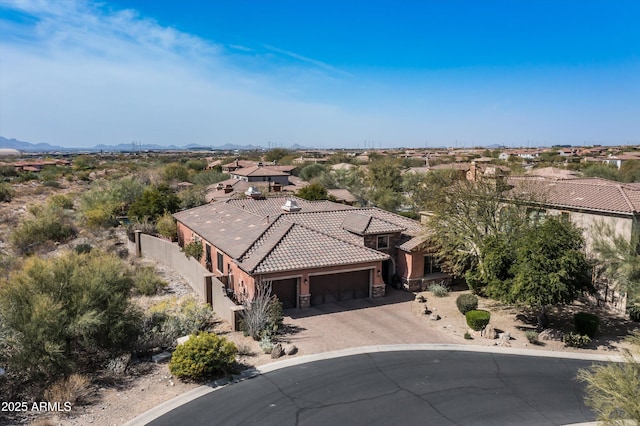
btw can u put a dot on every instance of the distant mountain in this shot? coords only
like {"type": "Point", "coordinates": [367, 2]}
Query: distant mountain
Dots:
{"type": "Point", "coordinates": [45, 147]}
{"type": "Point", "coordinates": [31, 147]}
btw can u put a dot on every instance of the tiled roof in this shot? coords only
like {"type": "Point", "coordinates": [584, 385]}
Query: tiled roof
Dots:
{"type": "Point", "coordinates": [411, 243]}
{"type": "Point", "coordinates": [599, 195]}
{"type": "Point", "coordinates": [259, 171]}
{"type": "Point", "coordinates": [342, 194]}
{"type": "Point", "coordinates": [230, 228]}
{"type": "Point", "coordinates": [301, 248]}
{"type": "Point", "coordinates": [263, 238]}
{"type": "Point", "coordinates": [272, 206]}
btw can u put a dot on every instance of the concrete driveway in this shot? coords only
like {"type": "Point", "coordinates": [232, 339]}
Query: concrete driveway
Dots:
{"type": "Point", "coordinates": [362, 322]}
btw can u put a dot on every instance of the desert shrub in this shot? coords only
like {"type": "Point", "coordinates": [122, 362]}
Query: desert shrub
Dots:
{"type": "Point", "coordinates": [147, 282]}
{"type": "Point", "coordinates": [467, 336]}
{"type": "Point", "coordinates": [202, 356]}
{"type": "Point", "coordinates": [209, 177]}
{"type": "Point", "coordinates": [196, 165]}
{"type": "Point", "coordinates": [185, 317]}
{"type": "Point", "coordinates": [107, 200]}
{"type": "Point", "coordinates": [477, 319]}
{"type": "Point", "coordinates": [144, 225]}
{"type": "Point", "coordinates": [154, 202]}
{"type": "Point", "coordinates": [51, 183]}
{"type": "Point", "coordinates": [532, 336]}
{"type": "Point", "coordinates": [48, 224]}
{"type": "Point", "coordinates": [586, 323]}
{"type": "Point", "coordinates": [439, 289]}
{"type": "Point", "coordinates": [6, 193]}
{"type": "Point", "coordinates": [193, 249]}
{"type": "Point", "coordinates": [634, 313]}
{"type": "Point", "coordinates": [576, 340]}
{"type": "Point", "coordinates": [266, 344]}
{"type": "Point", "coordinates": [166, 226]}
{"type": "Point", "coordinates": [83, 248]}
{"type": "Point", "coordinates": [60, 200]}
{"type": "Point", "coordinates": [192, 197]}
{"type": "Point", "coordinates": [75, 389]}
{"type": "Point", "coordinates": [64, 310]}
{"type": "Point", "coordinates": [466, 302]}
{"type": "Point", "coordinates": [170, 319]}
{"type": "Point", "coordinates": [262, 316]}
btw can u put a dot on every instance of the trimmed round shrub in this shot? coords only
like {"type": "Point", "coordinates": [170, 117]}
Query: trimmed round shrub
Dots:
{"type": "Point", "coordinates": [203, 355]}
{"type": "Point", "coordinates": [467, 302]}
{"type": "Point", "coordinates": [634, 313]}
{"type": "Point", "coordinates": [586, 323]}
{"type": "Point", "coordinates": [477, 319]}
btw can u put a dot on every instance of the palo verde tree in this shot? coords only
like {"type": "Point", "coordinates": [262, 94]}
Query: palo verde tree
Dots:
{"type": "Point", "coordinates": [60, 313]}
{"type": "Point", "coordinates": [613, 389]}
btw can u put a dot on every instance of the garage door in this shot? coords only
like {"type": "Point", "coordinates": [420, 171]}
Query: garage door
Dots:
{"type": "Point", "coordinates": [287, 292]}
{"type": "Point", "coordinates": [338, 287]}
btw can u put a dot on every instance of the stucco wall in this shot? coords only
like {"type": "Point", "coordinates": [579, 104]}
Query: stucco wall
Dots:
{"type": "Point", "coordinates": [622, 226]}
{"type": "Point", "coordinates": [193, 272]}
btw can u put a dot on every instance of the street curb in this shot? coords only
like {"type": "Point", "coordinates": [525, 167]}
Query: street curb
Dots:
{"type": "Point", "coordinates": [167, 406]}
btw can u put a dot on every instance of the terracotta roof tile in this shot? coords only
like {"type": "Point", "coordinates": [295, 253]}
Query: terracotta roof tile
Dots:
{"type": "Point", "coordinates": [588, 194]}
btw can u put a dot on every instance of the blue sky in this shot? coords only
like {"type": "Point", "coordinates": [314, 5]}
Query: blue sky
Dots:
{"type": "Point", "coordinates": [320, 73]}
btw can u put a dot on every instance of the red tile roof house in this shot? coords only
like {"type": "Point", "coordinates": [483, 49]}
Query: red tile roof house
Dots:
{"type": "Point", "coordinates": [587, 202]}
{"type": "Point", "coordinates": [313, 252]}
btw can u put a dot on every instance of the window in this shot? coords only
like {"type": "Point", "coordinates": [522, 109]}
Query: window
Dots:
{"type": "Point", "coordinates": [565, 216]}
{"type": "Point", "coordinates": [431, 266]}
{"type": "Point", "coordinates": [220, 262]}
{"type": "Point", "coordinates": [536, 215]}
{"type": "Point", "coordinates": [383, 242]}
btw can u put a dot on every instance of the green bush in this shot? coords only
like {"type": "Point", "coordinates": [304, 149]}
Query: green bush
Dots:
{"type": "Point", "coordinates": [634, 313]}
{"type": "Point", "coordinates": [202, 356]}
{"type": "Point", "coordinates": [83, 248]}
{"type": "Point", "coordinates": [6, 193]}
{"type": "Point", "coordinates": [60, 200]}
{"type": "Point", "coordinates": [48, 224]}
{"type": "Point", "coordinates": [532, 336]}
{"type": "Point", "coordinates": [466, 302]}
{"type": "Point", "coordinates": [147, 282]}
{"type": "Point", "coordinates": [64, 312]}
{"type": "Point", "coordinates": [167, 227]}
{"type": "Point", "coordinates": [467, 336]}
{"type": "Point", "coordinates": [439, 289]}
{"type": "Point", "coordinates": [170, 319]}
{"type": "Point", "coordinates": [586, 323]}
{"type": "Point", "coordinates": [477, 319]}
{"type": "Point", "coordinates": [193, 249]}
{"type": "Point", "coordinates": [576, 340]}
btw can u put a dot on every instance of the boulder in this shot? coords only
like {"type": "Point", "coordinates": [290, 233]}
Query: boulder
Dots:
{"type": "Point", "coordinates": [182, 339]}
{"type": "Point", "coordinates": [434, 317]}
{"type": "Point", "coordinates": [277, 351]}
{"type": "Point", "coordinates": [551, 334]}
{"type": "Point", "coordinates": [291, 350]}
{"type": "Point", "coordinates": [489, 332]}
{"type": "Point", "coordinates": [506, 336]}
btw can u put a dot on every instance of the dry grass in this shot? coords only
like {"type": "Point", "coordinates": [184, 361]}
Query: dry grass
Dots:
{"type": "Point", "coordinates": [75, 389]}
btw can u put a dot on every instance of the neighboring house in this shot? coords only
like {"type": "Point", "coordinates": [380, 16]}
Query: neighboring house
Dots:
{"type": "Point", "coordinates": [261, 174]}
{"type": "Point", "coordinates": [313, 252]}
{"type": "Point", "coordinates": [587, 202]}
{"type": "Point", "coordinates": [618, 160]}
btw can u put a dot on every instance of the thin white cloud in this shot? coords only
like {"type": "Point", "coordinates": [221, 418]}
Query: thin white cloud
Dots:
{"type": "Point", "coordinates": [315, 62]}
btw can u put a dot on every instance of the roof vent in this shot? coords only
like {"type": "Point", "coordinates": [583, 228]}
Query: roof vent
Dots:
{"type": "Point", "coordinates": [291, 206]}
{"type": "Point", "coordinates": [253, 192]}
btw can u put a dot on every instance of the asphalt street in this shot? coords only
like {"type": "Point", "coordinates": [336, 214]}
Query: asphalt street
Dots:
{"type": "Point", "coordinates": [400, 388]}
